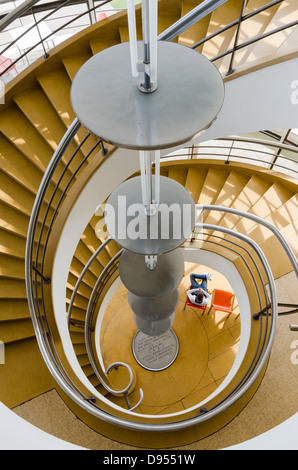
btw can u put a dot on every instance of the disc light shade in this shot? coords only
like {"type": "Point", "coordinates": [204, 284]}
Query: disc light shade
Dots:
{"type": "Point", "coordinates": [144, 282]}
{"type": "Point", "coordinates": [154, 309]}
{"type": "Point", "coordinates": [154, 328]}
{"type": "Point", "coordinates": [128, 223]}
{"type": "Point", "coordinates": [106, 99]}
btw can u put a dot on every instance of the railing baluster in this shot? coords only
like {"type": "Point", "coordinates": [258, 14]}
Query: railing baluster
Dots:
{"type": "Point", "coordinates": [46, 55]}
{"type": "Point", "coordinates": [231, 69]}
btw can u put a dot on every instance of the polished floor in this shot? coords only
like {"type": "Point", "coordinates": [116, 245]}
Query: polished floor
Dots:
{"type": "Point", "coordinates": [208, 344]}
{"type": "Point", "coordinates": [275, 400]}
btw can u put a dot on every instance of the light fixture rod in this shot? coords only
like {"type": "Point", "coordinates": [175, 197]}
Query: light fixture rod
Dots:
{"type": "Point", "coordinates": [149, 25]}
{"type": "Point", "coordinates": [132, 37]}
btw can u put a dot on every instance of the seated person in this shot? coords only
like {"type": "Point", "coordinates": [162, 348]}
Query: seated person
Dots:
{"type": "Point", "coordinates": [198, 294]}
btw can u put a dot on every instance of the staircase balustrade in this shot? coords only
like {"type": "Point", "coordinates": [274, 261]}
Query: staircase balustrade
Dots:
{"type": "Point", "coordinates": [40, 230]}
{"type": "Point", "coordinates": [182, 25]}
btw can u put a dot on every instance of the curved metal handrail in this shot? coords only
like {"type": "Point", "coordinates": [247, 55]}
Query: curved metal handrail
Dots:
{"type": "Point", "coordinates": [272, 289]}
{"type": "Point", "coordinates": [205, 151]}
{"type": "Point", "coordinates": [173, 31]}
{"type": "Point", "coordinates": [244, 261]}
{"type": "Point", "coordinates": [88, 320]}
{"type": "Point", "coordinates": [84, 271]}
{"type": "Point", "coordinates": [260, 221]}
{"type": "Point", "coordinates": [28, 5]}
{"type": "Point", "coordinates": [54, 366]}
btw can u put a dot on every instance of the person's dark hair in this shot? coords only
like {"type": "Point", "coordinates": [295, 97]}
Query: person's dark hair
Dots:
{"type": "Point", "coordinates": [200, 297]}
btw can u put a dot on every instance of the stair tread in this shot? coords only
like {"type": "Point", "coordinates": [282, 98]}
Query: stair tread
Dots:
{"type": "Point", "coordinates": [43, 116]}
{"type": "Point", "coordinates": [16, 310]}
{"type": "Point", "coordinates": [16, 330]}
{"type": "Point", "coordinates": [12, 245]}
{"type": "Point", "coordinates": [282, 217]}
{"type": "Point", "coordinates": [220, 17]}
{"type": "Point", "coordinates": [284, 14]}
{"type": "Point", "coordinates": [212, 185]}
{"type": "Point", "coordinates": [178, 174]}
{"type": "Point", "coordinates": [98, 45]}
{"type": "Point", "coordinates": [14, 163]}
{"type": "Point", "coordinates": [56, 86]}
{"type": "Point", "coordinates": [12, 289]}
{"type": "Point", "coordinates": [12, 268]}
{"type": "Point", "coordinates": [280, 263]}
{"type": "Point", "coordinates": [250, 194]}
{"type": "Point", "coordinates": [196, 32]}
{"type": "Point", "coordinates": [230, 191]}
{"type": "Point", "coordinates": [194, 182]}
{"type": "Point", "coordinates": [15, 126]}
{"type": "Point", "coordinates": [253, 27]}
{"type": "Point", "coordinates": [276, 195]}
{"type": "Point", "coordinates": [73, 63]}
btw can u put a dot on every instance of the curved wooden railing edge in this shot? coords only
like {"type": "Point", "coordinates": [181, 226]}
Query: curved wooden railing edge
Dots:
{"type": "Point", "coordinates": [260, 64]}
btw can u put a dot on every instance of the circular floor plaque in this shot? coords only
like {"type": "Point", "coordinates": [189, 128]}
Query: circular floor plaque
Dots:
{"type": "Point", "coordinates": [155, 353]}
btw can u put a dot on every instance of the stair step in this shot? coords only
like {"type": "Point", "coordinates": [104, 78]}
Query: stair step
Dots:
{"type": "Point", "coordinates": [124, 33]}
{"type": "Point", "coordinates": [248, 197]}
{"type": "Point", "coordinates": [168, 16]}
{"type": "Point", "coordinates": [80, 349]}
{"type": "Point", "coordinates": [92, 242]}
{"type": "Point", "coordinates": [13, 220]}
{"type": "Point", "coordinates": [16, 330]}
{"type": "Point", "coordinates": [98, 45]}
{"type": "Point", "coordinates": [18, 167]}
{"type": "Point", "coordinates": [73, 63]}
{"type": "Point", "coordinates": [56, 86]}
{"type": "Point", "coordinates": [83, 360]}
{"type": "Point", "coordinates": [289, 44]}
{"type": "Point", "coordinates": [83, 254]}
{"type": "Point", "coordinates": [284, 14]}
{"type": "Point", "coordinates": [18, 196]}
{"type": "Point", "coordinates": [284, 216]}
{"type": "Point", "coordinates": [76, 268]}
{"type": "Point", "coordinates": [12, 289]}
{"type": "Point", "coordinates": [279, 263]}
{"type": "Point", "coordinates": [77, 337]}
{"type": "Point", "coordinates": [253, 27]}
{"type": "Point", "coordinates": [14, 163]}
{"type": "Point", "coordinates": [11, 244]}
{"type": "Point", "coordinates": [79, 301]}
{"type": "Point", "coordinates": [213, 184]}
{"type": "Point", "coordinates": [195, 181]}
{"type": "Point", "coordinates": [15, 126]}
{"type": "Point", "coordinates": [39, 111]}
{"type": "Point", "coordinates": [274, 198]}
{"type": "Point", "coordinates": [178, 174]}
{"type": "Point", "coordinates": [78, 314]}
{"type": "Point", "coordinates": [83, 290]}
{"type": "Point", "coordinates": [233, 186]}
{"type": "Point", "coordinates": [220, 17]}
{"type": "Point", "coordinates": [12, 268]}
{"type": "Point", "coordinates": [14, 310]}
{"type": "Point", "coordinates": [196, 32]}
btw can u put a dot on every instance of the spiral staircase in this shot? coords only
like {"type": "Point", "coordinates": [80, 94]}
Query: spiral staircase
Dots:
{"type": "Point", "coordinates": [37, 121]}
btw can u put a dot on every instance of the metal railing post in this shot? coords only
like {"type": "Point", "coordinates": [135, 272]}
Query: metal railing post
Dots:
{"type": "Point", "coordinates": [231, 69]}
{"type": "Point", "coordinates": [46, 54]}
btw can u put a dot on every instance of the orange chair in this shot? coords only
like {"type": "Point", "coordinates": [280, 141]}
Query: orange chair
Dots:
{"type": "Point", "coordinates": [188, 302]}
{"type": "Point", "coordinates": [223, 301]}
{"type": "Point", "coordinates": [4, 63]}
{"type": "Point", "coordinates": [100, 16]}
